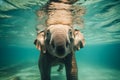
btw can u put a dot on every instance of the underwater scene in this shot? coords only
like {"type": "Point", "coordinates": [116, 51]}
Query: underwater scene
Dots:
{"type": "Point", "coordinates": [98, 60]}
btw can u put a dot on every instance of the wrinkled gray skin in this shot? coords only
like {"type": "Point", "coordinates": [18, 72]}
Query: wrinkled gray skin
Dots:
{"type": "Point", "coordinates": [58, 44]}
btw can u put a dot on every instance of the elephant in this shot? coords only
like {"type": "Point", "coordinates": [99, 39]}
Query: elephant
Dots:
{"type": "Point", "coordinates": [58, 44]}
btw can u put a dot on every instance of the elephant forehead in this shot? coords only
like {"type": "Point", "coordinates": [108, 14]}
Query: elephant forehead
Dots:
{"type": "Point", "coordinates": [59, 28]}
{"type": "Point", "coordinates": [59, 35]}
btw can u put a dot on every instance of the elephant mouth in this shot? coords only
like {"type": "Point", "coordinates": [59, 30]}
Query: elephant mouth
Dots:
{"type": "Point", "coordinates": [60, 50]}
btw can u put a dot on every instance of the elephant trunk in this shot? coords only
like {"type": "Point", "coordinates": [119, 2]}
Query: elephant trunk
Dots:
{"type": "Point", "coordinates": [59, 41]}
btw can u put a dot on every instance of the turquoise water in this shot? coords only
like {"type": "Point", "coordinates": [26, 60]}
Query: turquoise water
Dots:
{"type": "Point", "coordinates": [98, 60]}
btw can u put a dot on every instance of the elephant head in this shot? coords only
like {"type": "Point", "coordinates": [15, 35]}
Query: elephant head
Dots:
{"type": "Point", "coordinates": [59, 40]}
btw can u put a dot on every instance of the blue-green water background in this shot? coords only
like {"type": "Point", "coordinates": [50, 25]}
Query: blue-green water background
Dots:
{"type": "Point", "coordinates": [98, 60]}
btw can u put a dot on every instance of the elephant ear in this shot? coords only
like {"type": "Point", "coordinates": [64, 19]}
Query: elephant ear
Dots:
{"type": "Point", "coordinates": [79, 40]}
{"type": "Point", "coordinates": [39, 42]}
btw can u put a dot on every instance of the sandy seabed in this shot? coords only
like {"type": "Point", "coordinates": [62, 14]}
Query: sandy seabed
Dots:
{"type": "Point", "coordinates": [31, 72]}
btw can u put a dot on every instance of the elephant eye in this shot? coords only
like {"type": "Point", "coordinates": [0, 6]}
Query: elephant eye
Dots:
{"type": "Point", "coordinates": [48, 32]}
{"type": "Point", "coordinates": [70, 32]}
{"type": "Point", "coordinates": [48, 35]}
{"type": "Point", "coordinates": [70, 35]}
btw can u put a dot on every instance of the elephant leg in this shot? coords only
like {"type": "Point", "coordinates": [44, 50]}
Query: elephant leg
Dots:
{"type": "Point", "coordinates": [44, 67]}
{"type": "Point", "coordinates": [71, 67]}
